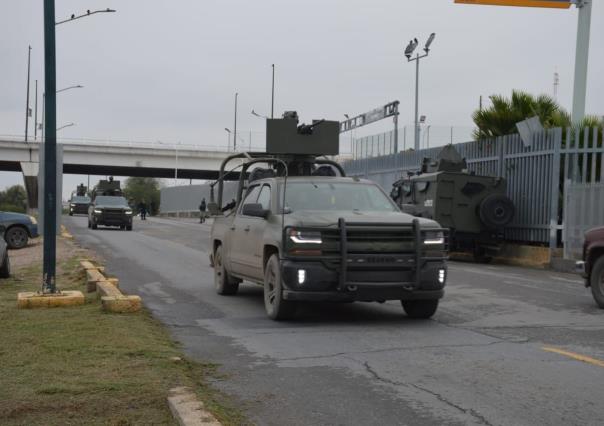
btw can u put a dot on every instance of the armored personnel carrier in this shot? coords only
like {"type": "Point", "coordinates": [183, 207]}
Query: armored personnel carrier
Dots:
{"type": "Point", "coordinates": [475, 208]}
{"type": "Point", "coordinates": [305, 232]}
{"type": "Point", "coordinates": [109, 207]}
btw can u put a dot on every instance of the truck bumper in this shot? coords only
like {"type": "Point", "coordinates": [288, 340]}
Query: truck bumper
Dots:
{"type": "Point", "coordinates": [313, 281]}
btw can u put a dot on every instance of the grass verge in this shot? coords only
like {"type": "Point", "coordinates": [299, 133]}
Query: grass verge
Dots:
{"type": "Point", "coordinates": [78, 365]}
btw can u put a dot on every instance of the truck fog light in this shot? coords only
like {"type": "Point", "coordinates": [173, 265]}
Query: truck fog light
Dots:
{"type": "Point", "coordinates": [301, 276]}
{"type": "Point", "coordinates": [441, 276]}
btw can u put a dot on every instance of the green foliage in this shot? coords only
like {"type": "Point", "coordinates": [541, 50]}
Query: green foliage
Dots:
{"type": "Point", "coordinates": [501, 117]}
{"type": "Point", "coordinates": [13, 199]}
{"type": "Point", "coordinates": [137, 189]}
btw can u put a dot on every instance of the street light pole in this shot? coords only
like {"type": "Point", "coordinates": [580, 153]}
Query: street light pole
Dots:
{"type": "Point", "coordinates": [273, 94]}
{"type": "Point", "coordinates": [78, 86]}
{"type": "Point", "coordinates": [50, 150]}
{"type": "Point", "coordinates": [27, 102]}
{"type": "Point", "coordinates": [581, 59]}
{"type": "Point", "coordinates": [235, 126]}
{"type": "Point", "coordinates": [228, 138]}
{"type": "Point", "coordinates": [36, 114]}
{"type": "Point", "coordinates": [409, 53]}
{"type": "Point", "coordinates": [50, 147]}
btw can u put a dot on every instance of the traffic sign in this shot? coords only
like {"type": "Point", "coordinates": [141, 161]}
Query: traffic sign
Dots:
{"type": "Point", "coordinates": [555, 4]}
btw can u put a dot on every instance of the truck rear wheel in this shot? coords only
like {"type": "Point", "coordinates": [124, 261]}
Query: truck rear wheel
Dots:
{"type": "Point", "coordinates": [420, 308]}
{"type": "Point", "coordinates": [596, 281]}
{"type": "Point", "coordinates": [276, 307]}
{"type": "Point", "coordinates": [223, 283]}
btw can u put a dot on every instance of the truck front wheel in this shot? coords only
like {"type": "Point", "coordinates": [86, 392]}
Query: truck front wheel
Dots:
{"type": "Point", "coordinates": [276, 307]}
{"type": "Point", "coordinates": [420, 308]}
{"type": "Point", "coordinates": [223, 283]}
{"type": "Point", "coordinates": [596, 281]}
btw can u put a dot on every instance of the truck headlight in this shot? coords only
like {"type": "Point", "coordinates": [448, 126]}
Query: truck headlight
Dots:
{"type": "Point", "coordinates": [72, 204]}
{"type": "Point", "coordinates": [434, 237]}
{"type": "Point", "coordinates": [305, 237]}
{"type": "Point", "coordinates": [34, 221]}
{"type": "Point", "coordinates": [99, 211]}
{"type": "Point", "coordinates": [128, 211]}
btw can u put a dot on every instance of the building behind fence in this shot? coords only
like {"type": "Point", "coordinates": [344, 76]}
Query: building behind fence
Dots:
{"type": "Point", "coordinates": [535, 173]}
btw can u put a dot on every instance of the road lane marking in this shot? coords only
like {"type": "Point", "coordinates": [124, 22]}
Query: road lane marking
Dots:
{"type": "Point", "coordinates": [566, 280]}
{"type": "Point", "coordinates": [576, 356]}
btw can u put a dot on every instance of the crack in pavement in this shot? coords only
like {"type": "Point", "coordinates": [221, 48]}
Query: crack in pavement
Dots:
{"type": "Point", "coordinates": [469, 411]}
{"type": "Point", "coordinates": [403, 348]}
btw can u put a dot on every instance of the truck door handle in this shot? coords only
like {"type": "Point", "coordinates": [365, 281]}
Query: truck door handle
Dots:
{"type": "Point", "coordinates": [246, 229]}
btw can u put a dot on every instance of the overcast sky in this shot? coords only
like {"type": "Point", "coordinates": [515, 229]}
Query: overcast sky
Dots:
{"type": "Point", "coordinates": [168, 70]}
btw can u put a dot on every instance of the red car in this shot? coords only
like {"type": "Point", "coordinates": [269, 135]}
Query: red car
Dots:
{"type": "Point", "coordinates": [592, 266]}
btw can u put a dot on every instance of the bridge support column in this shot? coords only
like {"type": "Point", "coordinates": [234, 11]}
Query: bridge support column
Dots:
{"type": "Point", "coordinates": [30, 178]}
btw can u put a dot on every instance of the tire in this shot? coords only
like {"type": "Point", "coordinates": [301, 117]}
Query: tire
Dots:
{"type": "Point", "coordinates": [122, 227]}
{"type": "Point", "coordinates": [480, 256]}
{"type": "Point", "coordinates": [422, 309]}
{"type": "Point", "coordinates": [5, 267]}
{"type": "Point", "coordinates": [596, 281]}
{"type": "Point", "coordinates": [128, 227]}
{"type": "Point", "coordinates": [70, 214]}
{"type": "Point", "coordinates": [16, 237]}
{"type": "Point", "coordinates": [276, 307]}
{"type": "Point", "coordinates": [496, 211]}
{"type": "Point", "coordinates": [223, 282]}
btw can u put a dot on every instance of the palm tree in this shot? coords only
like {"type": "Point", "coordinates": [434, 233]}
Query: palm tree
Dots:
{"type": "Point", "coordinates": [501, 118]}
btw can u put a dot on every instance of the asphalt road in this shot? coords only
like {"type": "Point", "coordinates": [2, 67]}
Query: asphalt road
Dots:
{"type": "Point", "coordinates": [485, 358]}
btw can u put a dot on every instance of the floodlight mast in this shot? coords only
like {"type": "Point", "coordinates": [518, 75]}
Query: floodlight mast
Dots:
{"type": "Point", "coordinates": [409, 54]}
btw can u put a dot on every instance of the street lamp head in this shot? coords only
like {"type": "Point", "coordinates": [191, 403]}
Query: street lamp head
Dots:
{"type": "Point", "coordinates": [429, 42]}
{"type": "Point", "coordinates": [410, 48]}
{"type": "Point", "coordinates": [347, 117]}
{"type": "Point", "coordinates": [228, 130]}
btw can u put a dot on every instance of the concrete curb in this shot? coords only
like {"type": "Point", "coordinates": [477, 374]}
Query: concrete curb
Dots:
{"type": "Point", "coordinates": [30, 299]}
{"type": "Point", "coordinates": [188, 410]}
{"type": "Point", "coordinates": [108, 290]}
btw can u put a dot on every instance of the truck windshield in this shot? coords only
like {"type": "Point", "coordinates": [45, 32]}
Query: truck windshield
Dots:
{"type": "Point", "coordinates": [326, 196]}
{"type": "Point", "coordinates": [80, 199]}
{"type": "Point", "coordinates": [111, 201]}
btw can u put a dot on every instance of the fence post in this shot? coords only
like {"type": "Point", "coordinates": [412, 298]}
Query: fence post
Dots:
{"type": "Point", "coordinates": [555, 191]}
{"type": "Point", "coordinates": [501, 141]}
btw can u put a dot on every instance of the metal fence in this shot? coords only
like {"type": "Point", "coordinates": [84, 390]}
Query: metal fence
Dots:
{"type": "Point", "coordinates": [535, 173]}
{"type": "Point", "coordinates": [584, 209]}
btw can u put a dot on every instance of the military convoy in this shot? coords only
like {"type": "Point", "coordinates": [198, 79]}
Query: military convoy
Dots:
{"type": "Point", "coordinates": [473, 207]}
{"type": "Point", "coordinates": [109, 207]}
{"type": "Point", "coordinates": [305, 232]}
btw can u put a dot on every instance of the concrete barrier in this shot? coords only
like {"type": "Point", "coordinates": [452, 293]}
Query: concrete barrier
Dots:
{"type": "Point", "coordinates": [108, 290]}
{"type": "Point", "coordinates": [29, 299]}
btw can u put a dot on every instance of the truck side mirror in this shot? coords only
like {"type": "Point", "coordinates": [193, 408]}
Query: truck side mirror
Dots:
{"type": "Point", "coordinates": [254, 210]}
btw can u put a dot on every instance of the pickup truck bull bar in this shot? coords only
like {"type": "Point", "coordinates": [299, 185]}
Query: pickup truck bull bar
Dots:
{"type": "Point", "coordinates": [413, 259]}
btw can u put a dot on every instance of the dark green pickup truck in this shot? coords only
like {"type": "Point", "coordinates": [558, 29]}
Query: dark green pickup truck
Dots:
{"type": "Point", "coordinates": [326, 238]}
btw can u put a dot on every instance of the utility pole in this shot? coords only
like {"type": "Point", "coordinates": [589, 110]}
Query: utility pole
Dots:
{"type": "Point", "coordinates": [273, 94]}
{"type": "Point", "coordinates": [581, 59]}
{"type": "Point", "coordinates": [235, 126]}
{"type": "Point", "coordinates": [50, 149]}
{"type": "Point", "coordinates": [36, 114]}
{"type": "Point", "coordinates": [27, 102]}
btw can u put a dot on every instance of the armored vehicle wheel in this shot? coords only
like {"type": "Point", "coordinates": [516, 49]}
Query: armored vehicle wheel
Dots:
{"type": "Point", "coordinates": [16, 237]}
{"type": "Point", "coordinates": [496, 211]}
{"type": "Point", "coordinates": [420, 308]}
{"type": "Point", "coordinates": [276, 307]}
{"type": "Point", "coordinates": [122, 227]}
{"type": "Point", "coordinates": [5, 267]}
{"type": "Point", "coordinates": [597, 281]}
{"type": "Point", "coordinates": [223, 283]}
{"type": "Point", "coordinates": [128, 227]}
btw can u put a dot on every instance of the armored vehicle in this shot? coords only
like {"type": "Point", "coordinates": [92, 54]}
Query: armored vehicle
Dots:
{"type": "Point", "coordinates": [109, 207]}
{"type": "Point", "coordinates": [474, 208]}
{"type": "Point", "coordinates": [305, 232]}
{"type": "Point", "coordinates": [78, 204]}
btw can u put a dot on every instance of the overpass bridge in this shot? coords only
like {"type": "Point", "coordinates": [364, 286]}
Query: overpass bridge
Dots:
{"type": "Point", "coordinates": [89, 157]}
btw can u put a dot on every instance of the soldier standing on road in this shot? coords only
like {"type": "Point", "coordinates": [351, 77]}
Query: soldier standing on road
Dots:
{"type": "Point", "coordinates": [142, 207]}
{"type": "Point", "coordinates": [202, 211]}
